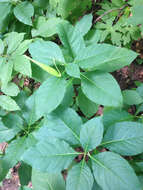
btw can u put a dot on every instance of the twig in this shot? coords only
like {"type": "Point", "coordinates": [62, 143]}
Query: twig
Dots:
{"type": "Point", "coordinates": [109, 11]}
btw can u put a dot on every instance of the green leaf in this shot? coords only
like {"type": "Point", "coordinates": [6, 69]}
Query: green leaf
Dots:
{"type": "Point", "coordinates": [131, 97]}
{"type": "Point", "coordinates": [50, 155]}
{"type": "Point", "coordinates": [88, 107]}
{"type": "Point", "coordinates": [22, 65]}
{"type": "Point", "coordinates": [79, 178]}
{"type": "Point", "coordinates": [1, 47]}
{"type": "Point", "coordinates": [65, 8]}
{"type": "Point", "coordinates": [91, 133]}
{"type": "Point", "coordinates": [63, 124]}
{"type": "Point", "coordinates": [5, 73]}
{"type": "Point", "coordinates": [8, 103]}
{"type": "Point", "coordinates": [14, 152]}
{"type": "Point", "coordinates": [50, 93]}
{"type": "Point", "coordinates": [110, 117]}
{"type": "Point", "coordinates": [96, 186]}
{"type": "Point", "coordinates": [70, 38]}
{"type": "Point", "coordinates": [9, 127]}
{"type": "Point", "coordinates": [41, 3]}
{"type": "Point", "coordinates": [11, 89]}
{"type": "Point", "coordinates": [68, 97]}
{"type": "Point", "coordinates": [22, 48]}
{"type": "Point", "coordinates": [24, 173]}
{"type": "Point", "coordinates": [24, 188]}
{"type": "Point", "coordinates": [5, 13]}
{"type": "Point", "coordinates": [46, 28]}
{"type": "Point", "coordinates": [125, 138]}
{"type": "Point", "coordinates": [140, 90]}
{"type": "Point", "coordinates": [46, 98]}
{"type": "Point", "coordinates": [112, 171]}
{"type": "Point", "coordinates": [47, 181]}
{"type": "Point", "coordinates": [136, 17]}
{"type": "Point", "coordinates": [23, 12]}
{"type": "Point", "coordinates": [21, 99]}
{"type": "Point", "coordinates": [99, 88]}
{"type": "Point", "coordinates": [84, 25]}
{"type": "Point", "coordinates": [92, 37]}
{"type": "Point", "coordinates": [38, 73]}
{"type": "Point", "coordinates": [15, 42]}
{"type": "Point", "coordinates": [104, 57]}
{"type": "Point", "coordinates": [46, 52]}
{"type": "Point", "coordinates": [73, 70]}
{"type": "Point", "coordinates": [16, 149]}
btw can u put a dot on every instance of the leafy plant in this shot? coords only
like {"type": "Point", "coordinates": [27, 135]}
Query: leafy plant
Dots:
{"type": "Point", "coordinates": [115, 25]}
{"type": "Point", "coordinates": [52, 129]}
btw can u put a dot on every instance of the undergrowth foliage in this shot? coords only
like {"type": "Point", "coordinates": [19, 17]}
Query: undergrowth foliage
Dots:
{"type": "Point", "coordinates": [53, 130]}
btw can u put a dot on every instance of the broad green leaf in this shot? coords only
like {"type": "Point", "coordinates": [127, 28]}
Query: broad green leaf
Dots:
{"type": "Point", "coordinates": [21, 99]}
{"type": "Point", "coordinates": [23, 12]}
{"type": "Point", "coordinates": [47, 98]}
{"type": "Point", "coordinates": [8, 103]}
{"type": "Point", "coordinates": [137, 166]}
{"type": "Point", "coordinates": [99, 88]}
{"type": "Point", "coordinates": [73, 70]}
{"type": "Point", "coordinates": [47, 181]}
{"type": "Point", "coordinates": [5, 73]}
{"type": "Point", "coordinates": [41, 3]}
{"type": "Point", "coordinates": [8, 129]}
{"type": "Point", "coordinates": [1, 47]}
{"type": "Point", "coordinates": [50, 93]}
{"type": "Point", "coordinates": [136, 17]}
{"type": "Point", "coordinates": [141, 180]}
{"type": "Point", "coordinates": [140, 90]}
{"type": "Point", "coordinates": [14, 152]}
{"type": "Point", "coordinates": [68, 97]}
{"type": "Point", "coordinates": [16, 149]}
{"type": "Point", "coordinates": [110, 117]}
{"type": "Point", "coordinates": [22, 48]}
{"type": "Point", "coordinates": [11, 89]}
{"type": "Point", "coordinates": [15, 42]}
{"type": "Point", "coordinates": [3, 169]}
{"type": "Point", "coordinates": [104, 57]}
{"type": "Point", "coordinates": [22, 65]}
{"type": "Point", "coordinates": [46, 28]}
{"type": "Point", "coordinates": [112, 172]}
{"type": "Point", "coordinates": [88, 107]}
{"type": "Point", "coordinates": [118, 2]}
{"type": "Point", "coordinates": [125, 138]}
{"type": "Point", "coordinates": [96, 186]}
{"type": "Point", "coordinates": [131, 97]}
{"type": "Point", "coordinates": [24, 188]}
{"type": "Point", "coordinates": [24, 173]}
{"type": "Point", "coordinates": [84, 25]}
{"type": "Point", "coordinates": [63, 124]}
{"type": "Point", "coordinates": [91, 133]}
{"type": "Point", "coordinates": [92, 37]}
{"type": "Point", "coordinates": [139, 109]}
{"type": "Point", "coordinates": [65, 8]}
{"type": "Point", "coordinates": [38, 73]}
{"type": "Point", "coordinates": [79, 178]}
{"type": "Point", "coordinates": [71, 39]}
{"type": "Point", "coordinates": [46, 52]}
{"type": "Point", "coordinates": [50, 155]}
{"type": "Point", "coordinates": [29, 111]}
{"type": "Point", "coordinates": [5, 13]}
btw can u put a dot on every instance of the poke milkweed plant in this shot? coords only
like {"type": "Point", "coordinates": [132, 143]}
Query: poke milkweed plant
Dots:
{"type": "Point", "coordinates": [44, 131]}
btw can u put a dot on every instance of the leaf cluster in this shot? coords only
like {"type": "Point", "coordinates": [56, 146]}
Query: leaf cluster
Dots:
{"type": "Point", "coordinates": [54, 131]}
